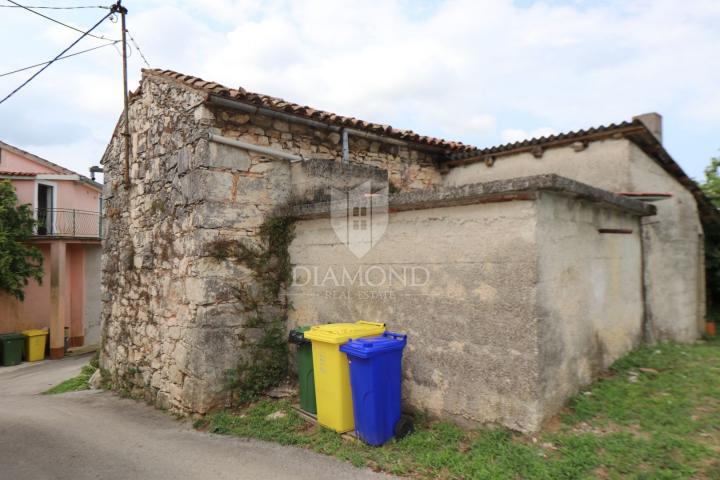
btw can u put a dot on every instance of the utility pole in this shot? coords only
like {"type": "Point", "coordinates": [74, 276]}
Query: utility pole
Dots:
{"type": "Point", "coordinates": [126, 131]}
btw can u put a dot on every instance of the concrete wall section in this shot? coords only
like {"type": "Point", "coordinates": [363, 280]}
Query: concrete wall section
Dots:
{"type": "Point", "coordinates": [460, 281]}
{"type": "Point", "coordinates": [673, 238]}
{"type": "Point", "coordinates": [602, 164]}
{"type": "Point", "coordinates": [589, 293]}
{"type": "Point", "coordinates": [675, 264]}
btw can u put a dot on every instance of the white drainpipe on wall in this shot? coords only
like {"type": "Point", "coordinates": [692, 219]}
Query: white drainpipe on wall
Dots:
{"type": "Point", "coordinates": [255, 148]}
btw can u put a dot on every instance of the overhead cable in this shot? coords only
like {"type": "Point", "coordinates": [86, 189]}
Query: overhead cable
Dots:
{"type": "Point", "coordinates": [61, 58]}
{"type": "Point", "coordinates": [29, 9]}
{"type": "Point", "coordinates": [86, 33]}
{"type": "Point", "coordinates": [137, 47]}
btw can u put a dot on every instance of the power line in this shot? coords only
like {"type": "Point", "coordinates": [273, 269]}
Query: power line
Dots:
{"type": "Point", "coordinates": [45, 7]}
{"type": "Point", "coordinates": [29, 9]}
{"type": "Point", "coordinates": [56, 58]}
{"type": "Point", "coordinates": [137, 47]}
{"type": "Point", "coordinates": [61, 58]}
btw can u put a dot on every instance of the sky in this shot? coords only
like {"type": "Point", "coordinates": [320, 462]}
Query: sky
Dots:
{"type": "Point", "coordinates": [484, 72]}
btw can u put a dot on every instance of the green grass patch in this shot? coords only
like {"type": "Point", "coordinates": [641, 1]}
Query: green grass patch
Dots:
{"type": "Point", "coordinates": [656, 414]}
{"type": "Point", "coordinates": [75, 384]}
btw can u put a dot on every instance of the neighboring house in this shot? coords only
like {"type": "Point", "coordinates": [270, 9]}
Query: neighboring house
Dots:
{"type": "Point", "coordinates": [67, 208]}
{"type": "Point", "coordinates": [533, 282]}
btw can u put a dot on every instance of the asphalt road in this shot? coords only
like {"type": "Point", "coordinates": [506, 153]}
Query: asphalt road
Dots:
{"type": "Point", "coordinates": [97, 435]}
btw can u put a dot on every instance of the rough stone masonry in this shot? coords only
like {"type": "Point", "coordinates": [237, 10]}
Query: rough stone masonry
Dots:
{"type": "Point", "coordinates": [171, 322]}
{"type": "Point", "coordinates": [172, 325]}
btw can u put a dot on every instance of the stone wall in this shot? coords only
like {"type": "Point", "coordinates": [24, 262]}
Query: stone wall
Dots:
{"type": "Point", "coordinates": [673, 239]}
{"type": "Point", "coordinates": [171, 323]}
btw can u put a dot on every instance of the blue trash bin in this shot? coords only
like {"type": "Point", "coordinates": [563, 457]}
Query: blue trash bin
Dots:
{"type": "Point", "coordinates": [375, 380]}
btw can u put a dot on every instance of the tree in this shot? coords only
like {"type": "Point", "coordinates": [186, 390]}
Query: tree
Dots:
{"type": "Point", "coordinates": [18, 262]}
{"type": "Point", "coordinates": [711, 188]}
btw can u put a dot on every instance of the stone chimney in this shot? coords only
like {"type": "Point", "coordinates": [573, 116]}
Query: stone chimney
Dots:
{"type": "Point", "coordinates": [653, 122]}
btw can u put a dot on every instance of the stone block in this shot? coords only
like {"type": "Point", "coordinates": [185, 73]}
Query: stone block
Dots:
{"type": "Point", "coordinates": [225, 156]}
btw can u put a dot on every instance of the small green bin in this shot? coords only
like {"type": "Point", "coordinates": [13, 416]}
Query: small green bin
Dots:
{"type": "Point", "coordinates": [306, 375]}
{"type": "Point", "coordinates": [12, 346]}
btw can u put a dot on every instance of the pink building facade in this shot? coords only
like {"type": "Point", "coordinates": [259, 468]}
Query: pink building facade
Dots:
{"type": "Point", "coordinates": [69, 231]}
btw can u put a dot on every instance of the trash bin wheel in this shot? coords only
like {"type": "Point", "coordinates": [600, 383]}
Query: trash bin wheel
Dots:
{"type": "Point", "coordinates": [404, 427]}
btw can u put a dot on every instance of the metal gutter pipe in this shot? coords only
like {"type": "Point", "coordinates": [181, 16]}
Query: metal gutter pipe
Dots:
{"type": "Point", "coordinates": [244, 107]}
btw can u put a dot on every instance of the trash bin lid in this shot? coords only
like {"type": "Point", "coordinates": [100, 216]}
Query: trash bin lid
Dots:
{"type": "Point", "coordinates": [338, 333]}
{"type": "Point", "coordinates": [297, 335]}
{"type": "Point", "coordinates": [12, 336]}
{"type": "Point", "coordinates": [370, 346]}
{"type": "Point", "coordinates": [34, 333]}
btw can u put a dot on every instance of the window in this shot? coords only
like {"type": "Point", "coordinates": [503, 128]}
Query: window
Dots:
{"type": "Point", "coordinates": [360, 218]}
{"type": "Point", "coordinates": [45, 209]}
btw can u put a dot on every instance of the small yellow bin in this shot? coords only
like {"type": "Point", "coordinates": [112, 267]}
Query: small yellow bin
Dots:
{"type": "Point", "coordinates": [35, 344]}
{"type": "Point", "coordinates": [332, 375]}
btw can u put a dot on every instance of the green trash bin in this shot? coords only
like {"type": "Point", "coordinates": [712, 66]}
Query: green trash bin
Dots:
{"type": "Point", "coordinates": [305, 369]}
{"type": "Point", "coordinates": [12, 346]}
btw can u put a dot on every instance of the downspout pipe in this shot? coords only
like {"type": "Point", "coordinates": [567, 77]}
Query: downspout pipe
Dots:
{"type": "Point", "coordinates": [272, 152]}
{"type": "Point", "coordinates": [345, 146]}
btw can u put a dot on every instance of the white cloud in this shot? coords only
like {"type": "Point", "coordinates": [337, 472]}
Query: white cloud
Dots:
{"type": "Point", "coordinates": [511, 135]}
{"type": "Point", "coordinates": [480, 71]}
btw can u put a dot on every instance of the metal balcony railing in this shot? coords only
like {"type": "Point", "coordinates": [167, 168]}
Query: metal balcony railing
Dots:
{"type": "Point", "coordinates": [63, 222]}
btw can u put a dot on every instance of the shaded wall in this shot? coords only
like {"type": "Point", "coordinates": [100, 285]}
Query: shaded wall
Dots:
{"type": "Point", "coordinates": [92, 302]}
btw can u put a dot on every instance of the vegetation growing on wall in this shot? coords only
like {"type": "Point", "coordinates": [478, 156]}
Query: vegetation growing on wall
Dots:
{"type": "Point", "coordinates": [264, 360]}
{"type": "Point", "coordinates": [18, 262]}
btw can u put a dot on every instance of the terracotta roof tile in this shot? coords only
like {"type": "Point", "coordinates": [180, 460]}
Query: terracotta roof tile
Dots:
{"type": "Point", "coordinates": [604, 131]}
{"type": "Point", "coordinates": [279, 104]}
{"type": "Point", "coordinates": [6, 173]}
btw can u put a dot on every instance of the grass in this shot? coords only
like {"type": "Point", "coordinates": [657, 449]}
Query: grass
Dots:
{"type": "Point", "coordinates": [655, 414]}
{"type": "Point", "coordinates": [77, 383]}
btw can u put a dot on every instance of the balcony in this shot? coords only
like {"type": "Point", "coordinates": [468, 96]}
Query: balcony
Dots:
{"type": "Point", "coordinates": [62, 222]}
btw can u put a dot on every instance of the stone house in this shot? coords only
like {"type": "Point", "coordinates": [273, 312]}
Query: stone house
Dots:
{"type": "Point", "coordinates": [518, 272]}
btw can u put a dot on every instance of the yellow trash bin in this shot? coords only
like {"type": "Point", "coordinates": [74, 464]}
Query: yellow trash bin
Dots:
{"type": "Point", "coordinates": [332, 376]}
{"type": "Point", "coordinates": [35, 344]}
